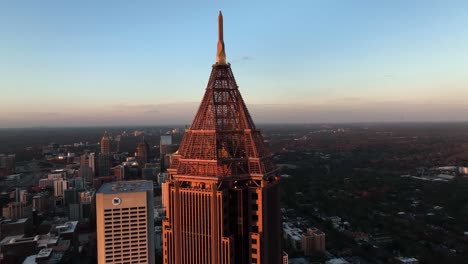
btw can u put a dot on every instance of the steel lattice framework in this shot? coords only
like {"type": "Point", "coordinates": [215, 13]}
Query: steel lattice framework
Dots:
{"type": "Point", "coordinates": [223, 140]}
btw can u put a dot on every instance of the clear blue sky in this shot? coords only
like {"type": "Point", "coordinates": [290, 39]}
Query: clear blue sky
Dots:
{"type": "Point", "coordinates": [77, 63]}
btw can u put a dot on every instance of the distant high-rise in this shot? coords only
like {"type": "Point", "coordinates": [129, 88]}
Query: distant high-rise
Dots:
{"type": "Point", "coordinates": [59, 187]}
{"type": "Point", "coordinates": [166, 147]}
{"type": "Point", "coordinates": [105, 143]}
{"type": "Point", "coordinates": [125, 225]}
{"type": "Point", "coordinates": [87, 167]}
{"type": "Point", "coordinates": [313, 241]}
{"type": "Point", "coordinates": [104, 164]}
{"type": "Point", "coordinates": [104, 157]}
{"type": "Point", "coordinates": [222, 194]}
{"type": "Point", "coordinates": [142, 153]}
{"type": "Point", "coordinates": [92, 162]}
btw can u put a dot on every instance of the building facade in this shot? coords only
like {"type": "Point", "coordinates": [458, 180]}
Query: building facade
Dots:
{"type": "Point", "coordinates": [59, 187]}
{"type": "Point", "coordinates": [16, 210]}
{"type": "Point", "coordinates": [104, 164]}
{"type": "Point", "coordinates": [125, 225]}
{"type": "Point", "coordinates": [222, 194]}
{"type": "Point", "coordinates": [313, 241]}
{"type": "Point", "coordinates": [105, 156]}
{"type": "Point", "coordinates": [105, 143]}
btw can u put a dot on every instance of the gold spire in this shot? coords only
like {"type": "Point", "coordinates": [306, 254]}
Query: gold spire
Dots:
{"type": "Point", "coordinates": [220, 54]}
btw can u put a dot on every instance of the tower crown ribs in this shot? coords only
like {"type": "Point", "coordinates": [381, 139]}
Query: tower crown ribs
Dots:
{"type": "Point", "coordinates": [222, 131]}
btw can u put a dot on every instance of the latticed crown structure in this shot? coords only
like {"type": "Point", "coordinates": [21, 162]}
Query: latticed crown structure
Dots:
{"type": "Point", "coordinates": [223, 140]}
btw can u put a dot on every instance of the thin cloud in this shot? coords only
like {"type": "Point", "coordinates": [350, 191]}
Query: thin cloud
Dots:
{"type": "Point", "coordinates": [152, 111]}
{"type": "Point", "coordinates": [242, 59]}
{"type": "Point", "coordinates": [352, 99]}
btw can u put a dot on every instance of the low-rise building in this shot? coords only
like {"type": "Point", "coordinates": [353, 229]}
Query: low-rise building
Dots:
{"type": "Point", "coordinates": [14, 248]}
{"type": "Point", "coordinates": [10, 227]}
{"type": "Point", "coordinates": [293, 234]}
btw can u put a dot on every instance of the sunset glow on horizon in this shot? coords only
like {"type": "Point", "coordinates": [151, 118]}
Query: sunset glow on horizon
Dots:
{"type": "Point", "coordinates": [147, 63]}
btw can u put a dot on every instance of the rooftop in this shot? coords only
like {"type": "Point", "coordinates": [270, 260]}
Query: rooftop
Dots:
{"type": "Point", "coordinates": [407, 260]}
{"type": "Point", "coordinates": [10, 239]}
{"type": "Point", "coordinates": [44, 253]}
{"type": "Point", "coordinates": [126, 186]}
{"type": "Point", "coordinates": [68, 227]}
{"type": "Point", "coordinates": [52, 257]}
{"type": "Point", "coordinates": [46, 241]}
{"type": "Point", "coordinates": [12, 222]}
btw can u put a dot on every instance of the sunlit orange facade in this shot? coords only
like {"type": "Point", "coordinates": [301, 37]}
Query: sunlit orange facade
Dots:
{"type": "Point", "coordinates": [222, 194]}
{"type": "Point", "coordinates": [105, 144]}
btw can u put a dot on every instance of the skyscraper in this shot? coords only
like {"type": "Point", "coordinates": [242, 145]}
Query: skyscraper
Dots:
{"type": "Point", "coordinates": [105, 158]}
{"type": "Point", "coordinates": [105, 143]}
{"type": "Point", "coordinates": [142, 153]}
{"type": "Point", "coordinates": [125, 225]}
{"type": "Point", "coordinates": [105, 164]}
{"type": "Point", "coordinates": [222, 194]}
{"type": "Point", "coordinates": [87, 167]}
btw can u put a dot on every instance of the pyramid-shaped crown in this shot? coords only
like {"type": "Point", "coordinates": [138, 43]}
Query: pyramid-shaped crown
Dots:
{"type": "Point", "coordinates": [223, 140]}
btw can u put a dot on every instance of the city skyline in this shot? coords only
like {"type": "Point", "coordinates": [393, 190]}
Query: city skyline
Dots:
{"type": "Point", "coordinates": [144, 64]}
{"type": "Point", "coordinates": [116, 149]}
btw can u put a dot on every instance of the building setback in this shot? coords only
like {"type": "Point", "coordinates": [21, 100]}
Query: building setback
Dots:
{"type": "Point", "coordinates": [222, 194]}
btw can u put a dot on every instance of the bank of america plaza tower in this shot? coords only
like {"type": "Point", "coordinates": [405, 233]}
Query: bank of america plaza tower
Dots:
{"type": "Point", "coordinates": [222, 194]}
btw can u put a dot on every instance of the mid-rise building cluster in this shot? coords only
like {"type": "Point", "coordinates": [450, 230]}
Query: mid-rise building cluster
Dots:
{"type": "Point", "coordinates": [72, 190]}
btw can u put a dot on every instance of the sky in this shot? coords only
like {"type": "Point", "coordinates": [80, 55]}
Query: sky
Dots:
{"type": "Point", "coordinates": [120, 62]}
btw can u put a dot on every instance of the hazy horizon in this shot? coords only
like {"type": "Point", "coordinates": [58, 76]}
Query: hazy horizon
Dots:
{"type": "Point", "coordinates": [183, 114]}
{"type": "Point", "coordinates": [116, 63]}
